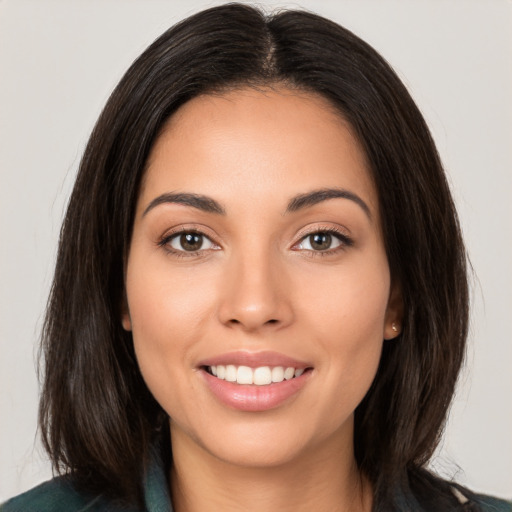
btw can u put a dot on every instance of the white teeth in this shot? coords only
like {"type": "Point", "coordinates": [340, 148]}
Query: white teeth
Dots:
{"type": "Point", "coordinates": [244, 375]}
{"type": "Point", "coordinates": [278, 374]}
{"type": "Point", "coordinates": [231, 373]}
{"type": "Point", "coordinates": [289, 373]}
{"type": "Point", "coordinates": [221, 372]}
{"type": "Point", "coordinates": [261, 376]}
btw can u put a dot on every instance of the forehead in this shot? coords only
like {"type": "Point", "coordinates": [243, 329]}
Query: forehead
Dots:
{"type": "Point", "coordinates": [257, 144]}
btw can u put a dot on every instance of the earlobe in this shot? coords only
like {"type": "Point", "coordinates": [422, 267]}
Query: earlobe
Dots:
{"type": "Point", "coordinates": [394, 314]}
{"type": "Point", "coordinates": [392, 331]}
{"type": "Point", "coordinates": [126, 322]}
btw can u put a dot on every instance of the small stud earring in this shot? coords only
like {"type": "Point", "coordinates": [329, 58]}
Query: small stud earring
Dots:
{"type": "Point", "coordinates": [394, 327]}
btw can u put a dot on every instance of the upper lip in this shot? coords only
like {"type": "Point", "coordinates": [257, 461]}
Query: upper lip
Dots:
{"type": "Point", "coordinates": [254, 360]}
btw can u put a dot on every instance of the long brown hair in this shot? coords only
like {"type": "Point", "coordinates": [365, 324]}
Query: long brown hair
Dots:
{"type": "Point", "coordinates": [97, 417]}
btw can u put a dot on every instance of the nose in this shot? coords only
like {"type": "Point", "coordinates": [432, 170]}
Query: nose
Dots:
{"type": "Point", "coordinates": [255, 294]}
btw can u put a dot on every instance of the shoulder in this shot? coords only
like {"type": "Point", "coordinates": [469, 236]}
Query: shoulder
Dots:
{"type": "Point", "coordinates": [491, 504]}
{"type": "Point", "coordinates": [484, 503]}
{"type": "Point", "coordinates": [57, 495]}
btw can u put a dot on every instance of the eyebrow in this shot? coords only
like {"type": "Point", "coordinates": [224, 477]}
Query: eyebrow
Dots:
{"type": "Point", "coordinates": [317, 196]}
{"type": "Point", "coordinates": [299, 202]}
{"type": "Point", "coordinates": [204, 203]}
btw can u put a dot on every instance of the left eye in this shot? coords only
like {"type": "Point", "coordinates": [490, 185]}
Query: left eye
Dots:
{"type": "Point", "coordinates": [320, 241]}
{"type": "Point", "coordinates": [190, 241]}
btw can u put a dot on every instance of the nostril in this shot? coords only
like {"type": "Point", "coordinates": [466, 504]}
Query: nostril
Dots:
{"type": "Point", "coordinates": [234, 321]}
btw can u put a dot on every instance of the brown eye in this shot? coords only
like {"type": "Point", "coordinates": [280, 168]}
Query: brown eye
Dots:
{"type": "Point", "coordinates": [320, 241]}
{"type": "Point", "coordinates": [190, 242]}
{"type": "Point", "coordinates": [323, 241]}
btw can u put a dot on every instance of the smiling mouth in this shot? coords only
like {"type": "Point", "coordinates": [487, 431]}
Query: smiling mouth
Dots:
{"type": "Point", "coordinates": [260, 376]}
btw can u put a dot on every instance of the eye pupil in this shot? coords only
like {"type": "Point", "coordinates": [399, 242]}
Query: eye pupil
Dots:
{"type": "Point", "coordinates": [191, 241]}
{"type": "Point", "coordinates": [320, 241]}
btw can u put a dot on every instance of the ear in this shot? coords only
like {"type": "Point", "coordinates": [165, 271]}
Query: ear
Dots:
{"type": "Point", "coordinates": [393, 322]}
{"type": "Point", "coordinates": [126, 321]}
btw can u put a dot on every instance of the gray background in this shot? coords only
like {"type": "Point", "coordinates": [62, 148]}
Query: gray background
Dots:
{"type": "Point", "coordinates": [59, 60]}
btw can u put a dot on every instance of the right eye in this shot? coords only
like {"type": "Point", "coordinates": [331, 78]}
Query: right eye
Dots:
{"type": "Point", "coordinates": [189, 241]}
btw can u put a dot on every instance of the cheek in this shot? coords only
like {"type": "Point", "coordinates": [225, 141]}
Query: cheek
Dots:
{"type": "Point", "coordinates": [345, 312]}
{"type": "Point", "coordinates": [165, 305]}
{"type": "Point", "coordinates": [349, 304]}
{"type": "Point", "coordinates": [167, 315]}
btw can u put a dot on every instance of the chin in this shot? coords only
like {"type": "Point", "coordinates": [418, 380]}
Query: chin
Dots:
{"type": "Point", "coordinates": [266, 441]}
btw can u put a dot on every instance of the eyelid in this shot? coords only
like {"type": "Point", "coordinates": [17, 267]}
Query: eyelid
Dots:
{"type": "Point", "coordinates": [170, 234]}
{"type": "Point", "coordinates": [341, 234]}
{"type": "Point", "coordinates": [177, 238]}
{"type": "Point", "coordinates": [323, 228]}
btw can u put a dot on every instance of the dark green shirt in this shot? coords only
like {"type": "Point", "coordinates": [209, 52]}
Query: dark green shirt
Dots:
{"type": "Point", "coordinates": [58, 495]}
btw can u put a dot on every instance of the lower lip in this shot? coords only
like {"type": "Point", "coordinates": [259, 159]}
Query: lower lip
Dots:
{"type": "Point", "coordinates": [252, 398]}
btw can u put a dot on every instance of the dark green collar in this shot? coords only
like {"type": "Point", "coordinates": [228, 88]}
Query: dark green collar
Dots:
{"type": "Point", "coordinates": [156, 489]}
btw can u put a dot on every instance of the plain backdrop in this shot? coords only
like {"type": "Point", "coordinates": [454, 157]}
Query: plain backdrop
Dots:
{"type": "Point", "coordinates": [59, 60]}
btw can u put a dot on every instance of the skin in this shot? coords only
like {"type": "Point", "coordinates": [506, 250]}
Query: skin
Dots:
{"type": "Point", "coordinates": [257, 284]}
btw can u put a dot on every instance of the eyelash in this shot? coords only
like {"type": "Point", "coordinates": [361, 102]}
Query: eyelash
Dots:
{"type": "Point", "coordinates": [168, 238]}
{"type": "Point", "coordinates": [345, 242]}
{"type": "Point", "coordinates": [344, 239]}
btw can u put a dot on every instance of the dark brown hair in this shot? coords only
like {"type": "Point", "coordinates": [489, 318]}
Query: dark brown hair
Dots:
{"type": "Point", "coordinates": [97, 417]}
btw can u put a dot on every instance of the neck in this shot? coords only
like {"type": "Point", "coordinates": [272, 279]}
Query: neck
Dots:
{"type": "Point", "coordinates": [323, 478]}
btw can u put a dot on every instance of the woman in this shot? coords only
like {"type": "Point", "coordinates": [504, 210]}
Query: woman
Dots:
{"type": "Point", "coordinates": [260, 267]}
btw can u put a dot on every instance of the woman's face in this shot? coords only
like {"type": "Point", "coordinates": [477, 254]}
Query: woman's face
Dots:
{"type": "Point", "coordinates": [257, 254]}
